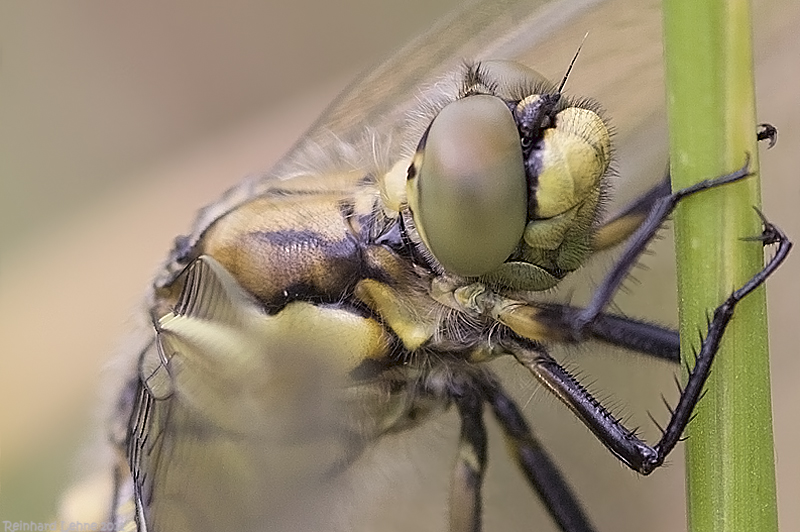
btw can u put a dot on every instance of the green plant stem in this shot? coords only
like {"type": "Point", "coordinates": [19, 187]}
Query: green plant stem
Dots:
{"type": "Point", "coordinates": [711, 110]}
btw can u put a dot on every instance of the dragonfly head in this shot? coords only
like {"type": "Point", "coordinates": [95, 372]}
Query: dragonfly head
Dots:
{"type": "Point", "coordinates": [507, 180]}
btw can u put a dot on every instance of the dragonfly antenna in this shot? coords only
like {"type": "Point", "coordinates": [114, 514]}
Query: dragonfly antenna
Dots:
{"type": "Point", "coordinates": [569, 69]}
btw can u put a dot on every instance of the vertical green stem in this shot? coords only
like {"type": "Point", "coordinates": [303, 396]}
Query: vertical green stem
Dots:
{"type": "Point", "coordinates": [711, 110]}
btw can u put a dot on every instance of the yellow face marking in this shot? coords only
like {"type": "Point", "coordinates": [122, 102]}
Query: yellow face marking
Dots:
{"type": "Point", "coordinates": [576, 156]}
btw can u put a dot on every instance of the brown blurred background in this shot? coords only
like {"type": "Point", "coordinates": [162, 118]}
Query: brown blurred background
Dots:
{"type": "Point", "coordinates": [118, 121]}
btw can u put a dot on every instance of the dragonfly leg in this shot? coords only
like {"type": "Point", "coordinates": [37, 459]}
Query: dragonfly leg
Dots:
{"type": "Point", "coordinates": [621, 441]}
{"type": "Point", "coordinates": [539, 469]}
{"type": "Point", "coordinates": [650, 339]}
{"type": "Point", "coordinates": [465, 496]}
{"type": "Point", "coordinates": [659, 211]}
{"type": "Point", "coordinates": [549, 322]}
{"type": "Point", "coordinates": [769, 133]}
{"type": "Point", "coordinates": [623, 225]}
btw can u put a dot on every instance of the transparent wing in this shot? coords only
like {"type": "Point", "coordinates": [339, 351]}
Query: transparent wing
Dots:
{"type": "Point", "coordinates": [542, 34]}
{"type": "Point", "coordinates": [381, 98]}
{"type": "Point", "coordinates": [236, 417]}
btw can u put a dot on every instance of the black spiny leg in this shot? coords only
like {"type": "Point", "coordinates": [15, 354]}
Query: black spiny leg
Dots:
{"type": "Point", "coordinates": [465, 496]}
{"type": "Point", "coordinates": [769, 133]}
{"type": "Point", "coordinates": [643, 216]}
{"type": "Point", "coordinates": [534, 461]}
{"type": "Point", "coordinates": [622, 442]}
{"type": "Point", "coordinates": [722, 316]}
{"type": "Point", "coordinates": [623, 225]}
{"type": "Point", "coordinates": [636, 335]}
{"type": "Point", "coordinates": [619, 228]}
{"type": "Point", "coordinates": [637, 243]}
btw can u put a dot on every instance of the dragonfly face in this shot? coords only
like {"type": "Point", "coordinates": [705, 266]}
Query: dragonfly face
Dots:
{"type": "Point", "coordinates": [507, 180]}
{"type": "Point", "coordinates": [356, 290]}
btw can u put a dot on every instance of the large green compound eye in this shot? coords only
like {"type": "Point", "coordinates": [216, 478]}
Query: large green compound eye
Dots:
{"type": "Point", "coordinates": [469, 196]}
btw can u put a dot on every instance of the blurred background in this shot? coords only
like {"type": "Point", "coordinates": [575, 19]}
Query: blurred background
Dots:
{"type": "Point", "coordinates": [118, 121]}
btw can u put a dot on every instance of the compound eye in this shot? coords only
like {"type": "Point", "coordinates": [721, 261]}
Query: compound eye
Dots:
{"type": "Point", "coordinates": [469, 196]}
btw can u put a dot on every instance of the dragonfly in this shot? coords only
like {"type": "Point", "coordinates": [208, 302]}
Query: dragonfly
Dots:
{"type": "Point", "coordinates": [361, 287]}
